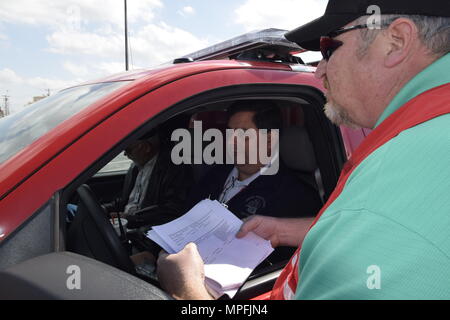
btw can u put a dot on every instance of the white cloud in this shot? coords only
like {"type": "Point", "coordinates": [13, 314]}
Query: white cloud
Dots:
{"type": "Point", "coordinates": [87, 43]}
{"type": "Point", "coordinates": [150, 45]}
{"type": "Point", "coordinates": [92, 32]}
{"type": "Point", "coordinates": [76, 69]}
{"type": "Point", "coordinates": [8, 76]}
{"type": "Point", "coordinates": [107, 68]}
{"type": "Point", "coordinates": [89, 36]}
{"type": "Point", "coordinates": [21, 89]}
{"type": "Point", "coordinates": [158, 43]}
{"type": "Point", "coordinates": [66, 15]}
{"type": "Point", "coordinates": [92, 70]}
{"type": "Point", "coordinates": [44, 84]}
{"type": "Point", "coordinates": [282, 14]}
{"type": "Point", "coordinates": [186, 11]}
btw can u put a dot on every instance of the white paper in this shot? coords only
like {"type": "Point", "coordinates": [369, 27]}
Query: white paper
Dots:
{"type": "Point", "coordinates": [228, 260]}
{"type": "Point", "coordinates": [155, 237]}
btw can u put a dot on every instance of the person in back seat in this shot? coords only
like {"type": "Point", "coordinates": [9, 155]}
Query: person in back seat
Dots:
{"type": "Point", "coordinates": [242, 187]}
{"type": "Point", "coordinates": [155, 189]}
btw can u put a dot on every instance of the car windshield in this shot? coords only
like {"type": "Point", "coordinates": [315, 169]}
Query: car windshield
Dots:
{"type": "Point", "coordinates": [22, 128]}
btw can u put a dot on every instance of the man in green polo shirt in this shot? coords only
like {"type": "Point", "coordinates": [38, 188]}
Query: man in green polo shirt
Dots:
{"type": "Point", "coordinates": [387, 236]}
{"type": "Point", "coordinates": [385, 231]}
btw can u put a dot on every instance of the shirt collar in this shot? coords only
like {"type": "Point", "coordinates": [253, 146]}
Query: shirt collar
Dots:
{"type": "Point", "coordinates": [246, 182]}
{"type": "Point", "coordinates": [234, 173]}
{"type": "Point", "coordinates": [434, 75]}
{"type": "Point", "coordinates": [274, 159]}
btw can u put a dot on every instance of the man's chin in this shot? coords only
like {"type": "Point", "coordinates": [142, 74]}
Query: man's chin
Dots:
{"type": "Point", "coordinates": [248, 168]}
{"type": "Point", "coordinates": [338, 116]}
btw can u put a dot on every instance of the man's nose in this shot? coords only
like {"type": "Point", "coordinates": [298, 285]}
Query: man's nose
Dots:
{"type": "Point", "coordinates": [321, 69]}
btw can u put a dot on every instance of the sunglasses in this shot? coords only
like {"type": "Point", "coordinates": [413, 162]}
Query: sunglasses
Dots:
{"type": "Point", "coordinates": [328, 45]}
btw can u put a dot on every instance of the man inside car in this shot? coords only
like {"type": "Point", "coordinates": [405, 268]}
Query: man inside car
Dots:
{"type": "Point", "coordinates": [248, 188]}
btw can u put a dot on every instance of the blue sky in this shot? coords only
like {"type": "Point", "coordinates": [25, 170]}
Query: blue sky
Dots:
{"type": "Point", "coordinates": [52, 44]}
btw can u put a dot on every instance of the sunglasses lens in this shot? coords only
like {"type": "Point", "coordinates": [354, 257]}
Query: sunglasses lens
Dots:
{"type": "Point", "coordinates": [328, 46]}
{"type": "Point", "coordinates": [323, 48]}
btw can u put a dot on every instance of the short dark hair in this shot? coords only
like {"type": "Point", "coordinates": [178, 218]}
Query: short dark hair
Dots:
{"type": "Point", "coordinates": [267, 114]}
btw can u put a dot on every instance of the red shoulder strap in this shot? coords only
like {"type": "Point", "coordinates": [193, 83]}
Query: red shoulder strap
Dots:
{"type": "Point", "coordinates": [428, 105]}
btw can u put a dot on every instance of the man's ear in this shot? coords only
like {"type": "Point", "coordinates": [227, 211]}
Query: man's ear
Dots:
{"type": "Point", "coordinates": [401, 36]}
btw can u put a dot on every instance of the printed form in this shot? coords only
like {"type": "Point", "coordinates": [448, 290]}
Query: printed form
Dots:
{"type": "Point", "coordinates": [228, 260]}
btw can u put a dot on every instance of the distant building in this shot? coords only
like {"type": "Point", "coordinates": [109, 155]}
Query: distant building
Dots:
{"type": "Point", "coordinates": [36, 99]}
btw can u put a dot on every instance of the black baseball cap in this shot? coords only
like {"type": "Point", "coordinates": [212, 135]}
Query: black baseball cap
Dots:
{"type": "Point", "coordinates": [340, 12]}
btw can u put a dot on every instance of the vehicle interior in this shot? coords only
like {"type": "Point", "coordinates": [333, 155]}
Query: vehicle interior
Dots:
{"type": "Point", "coordinates": [309, 146]}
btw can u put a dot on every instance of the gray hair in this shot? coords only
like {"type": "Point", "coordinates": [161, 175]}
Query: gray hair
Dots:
{"type": "Point", "coordinates": [434, 32]}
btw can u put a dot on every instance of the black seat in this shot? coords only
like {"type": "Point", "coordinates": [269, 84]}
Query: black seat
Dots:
{"type": "Point", "coordinates": [297, 153]}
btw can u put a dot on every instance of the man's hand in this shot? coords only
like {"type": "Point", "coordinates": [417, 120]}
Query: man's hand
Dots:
{"type": "Point", "coordinates": [182, 275]}
{"type": "Point", "coordinates": [280, 231]}
{"type": "Point", "coordinates": [265, 227]}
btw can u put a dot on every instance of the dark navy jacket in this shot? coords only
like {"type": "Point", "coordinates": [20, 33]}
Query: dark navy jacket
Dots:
{"type": "Point", "coordinates": [280, 195]}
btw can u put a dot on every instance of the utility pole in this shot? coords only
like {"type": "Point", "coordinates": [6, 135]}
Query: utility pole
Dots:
{"type": "Point", "coordinates": [126, 37]}
{"type": "Point", "coordinates": [5, 104]}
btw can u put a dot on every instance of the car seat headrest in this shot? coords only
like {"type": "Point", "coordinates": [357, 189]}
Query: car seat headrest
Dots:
{"type": "Point", "coordinates": [296, 149]}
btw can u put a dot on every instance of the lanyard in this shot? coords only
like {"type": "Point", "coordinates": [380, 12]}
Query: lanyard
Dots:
{"type": "Point", "coordinates": [229, 185]}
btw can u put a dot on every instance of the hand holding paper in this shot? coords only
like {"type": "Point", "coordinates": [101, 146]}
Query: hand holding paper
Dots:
{"type": "Point", "coordinates": [182, 274]}
{"type": "Point", "coordinates": [228, 260]}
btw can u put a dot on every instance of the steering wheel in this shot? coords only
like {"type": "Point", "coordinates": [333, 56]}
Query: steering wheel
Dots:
{"type": "Point", "coordinates": [111, 242]}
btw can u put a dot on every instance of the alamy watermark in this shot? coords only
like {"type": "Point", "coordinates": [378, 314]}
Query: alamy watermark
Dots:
{"type": "Point", "coordinates": [374, 20]}
{"type": "Point", "coordinates": [73, 281]}
{"type": "Point", "coordinates": [249, 146]}
{"type": "Point", "coordinates": [374, 279]}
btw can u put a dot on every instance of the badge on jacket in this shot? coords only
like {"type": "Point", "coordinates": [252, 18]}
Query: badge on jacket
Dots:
{"type": "Point", "coordinates": [254, 203]}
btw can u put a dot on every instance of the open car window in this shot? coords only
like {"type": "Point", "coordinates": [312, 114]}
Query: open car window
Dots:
{"type": "Point", "coordinates": [118, 165]}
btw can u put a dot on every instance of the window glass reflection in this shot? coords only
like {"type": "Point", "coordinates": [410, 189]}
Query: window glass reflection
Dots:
{"type": "Point", "coordinates": [22, 128]}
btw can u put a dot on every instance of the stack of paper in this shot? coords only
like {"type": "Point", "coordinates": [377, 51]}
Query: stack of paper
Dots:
{"type": "Point", "coordinates": [228, 260]}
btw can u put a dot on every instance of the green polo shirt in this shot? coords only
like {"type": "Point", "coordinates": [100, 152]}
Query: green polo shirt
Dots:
{"type": "Point", "coordinates": [387, 236]}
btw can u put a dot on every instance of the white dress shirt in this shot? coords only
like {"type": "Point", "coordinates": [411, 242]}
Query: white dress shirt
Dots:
{"type": "Point", "coordinates": [233, 186]}
{"type": "Point", "coordinates": [140, 187]}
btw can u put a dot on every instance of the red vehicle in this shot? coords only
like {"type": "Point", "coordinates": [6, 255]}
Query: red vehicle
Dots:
{"type": "Point", "coordinates": [51, 148]}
